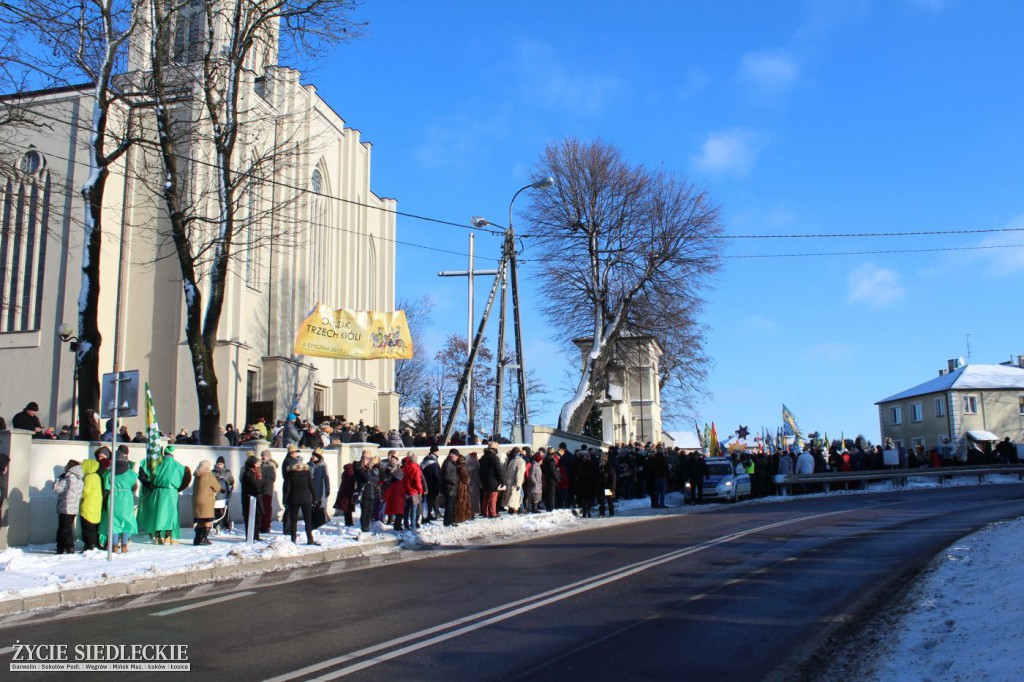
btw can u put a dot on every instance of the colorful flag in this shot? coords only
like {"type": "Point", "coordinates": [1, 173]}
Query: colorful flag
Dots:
{"type": "Point", "coordinates": [700, 434]}
{"type": "Point", "coordinates": [713, 447]}
{"type": "Point", "coordinates": [789, 420]}
{"type": "Point", "coordinates": [153, 448]}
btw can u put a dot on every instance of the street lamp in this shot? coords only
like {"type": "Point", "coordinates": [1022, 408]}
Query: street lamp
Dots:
{"type": "Point", "coordinates": [66, 336]}
{"type": "Point", "coordinates": [544, 183]}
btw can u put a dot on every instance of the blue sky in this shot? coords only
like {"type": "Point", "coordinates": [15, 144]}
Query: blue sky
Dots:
{"type": "Point", "coordinates": [798, 117]}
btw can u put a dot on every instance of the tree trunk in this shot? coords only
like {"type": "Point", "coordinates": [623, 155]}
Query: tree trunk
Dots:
{"type": "Point", "coordinates": [89, 337]}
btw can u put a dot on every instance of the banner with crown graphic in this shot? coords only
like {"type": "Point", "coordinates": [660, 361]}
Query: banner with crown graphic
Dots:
{"type": "Point", "coordinates": [354, 334]}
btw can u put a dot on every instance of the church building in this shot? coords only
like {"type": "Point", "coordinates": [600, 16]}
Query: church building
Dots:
{"type": "Point", "coordinates": [314, 231]}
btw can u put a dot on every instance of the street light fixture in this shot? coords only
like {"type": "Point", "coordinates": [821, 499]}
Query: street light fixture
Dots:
{"type": "Point", "coordinates": [510, 246]}
{"type": "Point", "coordinates": [66, 333]}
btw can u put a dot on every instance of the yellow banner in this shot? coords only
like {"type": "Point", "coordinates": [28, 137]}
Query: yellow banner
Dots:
{"type": "Point", "coordinates": [354, 334]}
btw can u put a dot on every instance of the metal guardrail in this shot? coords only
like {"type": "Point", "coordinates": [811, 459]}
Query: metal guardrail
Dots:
{"type": "Point", "coordinates": [897, 475]}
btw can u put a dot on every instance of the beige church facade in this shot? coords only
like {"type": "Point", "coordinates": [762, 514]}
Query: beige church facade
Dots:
{"type": "Point", "coordinates": [339, 251]}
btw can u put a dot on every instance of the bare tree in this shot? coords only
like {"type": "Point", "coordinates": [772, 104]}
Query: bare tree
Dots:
{"type": "Point", "coordinates": [56, 42]}
{"type": "Point", "coordinates": [449, 364]}
{"type": "Point", "coordinates": [622, 245]}
{"type": "Point", "coordinates": [202, 54]}
{"type": "Point", "coordinates": [411, 374]}
{"type": "Point", "coordinates": [535, 388]}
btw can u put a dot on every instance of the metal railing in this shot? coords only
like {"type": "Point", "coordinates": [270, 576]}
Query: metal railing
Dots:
{"type": "Point", "coordinates": [898, 476]}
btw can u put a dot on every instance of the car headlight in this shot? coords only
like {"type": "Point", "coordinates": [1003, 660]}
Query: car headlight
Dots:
{"type": "Point", "coordinates": [728, 484]}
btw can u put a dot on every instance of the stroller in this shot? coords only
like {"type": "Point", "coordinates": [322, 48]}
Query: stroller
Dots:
{"type": "Point", "coordinates": [221, 508]}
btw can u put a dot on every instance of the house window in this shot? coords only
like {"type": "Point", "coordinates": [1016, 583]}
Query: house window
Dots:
{"type": "Point", "coordinates": [1020, 404]}
{"type": "Point", "coordinates": [188, 33]}
{"type": "Point", "coordinates": [940, 407]}
{"type": "Point", "coordinates": [898, 443]}
{"type": "Point", "coordinates": [970, 404]}
{"type": "Point", "coordinates": [916, 412]}
{"type": "Point", "coordinates": [896, 415]}
{"type": "Point", "coordinates": [917, 440]}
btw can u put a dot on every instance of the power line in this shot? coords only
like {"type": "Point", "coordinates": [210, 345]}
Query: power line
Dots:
{"type": "Point", "coordinates": [305, 190]}
{"type": "Point", "coordinates": [330, 227]}
{"type": "Point", "coordinates": [494, 232]}
{"type": "Point", "coordinates": [870, 253]}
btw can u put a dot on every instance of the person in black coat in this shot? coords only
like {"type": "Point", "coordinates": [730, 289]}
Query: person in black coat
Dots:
{"type": "Point", "coordinates": [432, 482]}
{"type": "Point", "coordinates": [698, 472]}
{"type": "Point", "coordinates": [491, 478]}
{"type": "Point", "coordinates": [299, 497]}
{"type": "Point", "coordinates": [367, 473]}
{"type": "Point", "coordinates": [606, 480]}
{"type": "Point", "coordinates": [549, 467]}
{"type": "Point", "coordinates": [252, 489]}
{"type": "Point", "coordinates": [28, 419]}
{"type": "Point", "coordinates": [450, 485]}
{"type": "Point", "coordinates": [585, 482]}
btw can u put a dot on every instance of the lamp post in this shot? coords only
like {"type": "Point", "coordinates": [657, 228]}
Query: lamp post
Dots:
{"type": "Point", "coordinates": [66, 336]}
{"type": "Point", "coordinates": [510, 254]}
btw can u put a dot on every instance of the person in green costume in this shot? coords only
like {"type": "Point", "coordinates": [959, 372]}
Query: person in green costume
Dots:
{"type": "Point", "coordinates": [158, 508]}
{"type": "Point", "coordinates": [125, 484]}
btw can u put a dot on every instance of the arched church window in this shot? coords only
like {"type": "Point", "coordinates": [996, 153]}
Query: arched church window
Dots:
{"type": "Point", "coordinates": [24, 219]}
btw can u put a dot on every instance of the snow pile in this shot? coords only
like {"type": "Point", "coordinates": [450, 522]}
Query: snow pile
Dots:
{"type": "Point", "coordinates": [961, 621]}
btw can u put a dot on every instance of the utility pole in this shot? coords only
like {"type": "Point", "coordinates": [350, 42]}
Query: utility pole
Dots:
{"type": "Point", "coordinates": [470, 273]}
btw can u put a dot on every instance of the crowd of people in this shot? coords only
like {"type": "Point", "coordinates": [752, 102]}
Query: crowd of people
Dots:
{"type": "Point", "coordinates": [83, 490]}
{"type": "Point", "coordinates": [403, 491]}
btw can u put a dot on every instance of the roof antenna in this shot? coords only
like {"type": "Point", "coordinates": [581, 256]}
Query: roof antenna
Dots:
{"type": "Point", "coordinates": [969, 346]}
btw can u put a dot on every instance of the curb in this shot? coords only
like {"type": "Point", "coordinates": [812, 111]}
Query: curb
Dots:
{"type": "Point", "coordinates": [103, 591]}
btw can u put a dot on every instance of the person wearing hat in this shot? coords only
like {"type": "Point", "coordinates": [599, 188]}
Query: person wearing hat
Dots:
{"type": "Point", "coordinates": [90, 510]}
{"type": "Point", "coordinates": [125, 484]}
{"type": "Point", "coordinates": [204, 496]}
{"type": "Point", "coordinates": [290, 434]}
{"type": "Point", "coordinates": [450, 485]}
{"type": "Point", "coordinates": [223, 502]}
{"type": "Point", "coordinates": [321, 486]}
{"type": "Point", "coordinates": [28, 420]}
{"type": "Point", "coordinates": [491, 480]}
{"type": "Point", "coordinates": [68, 487]}
{"type": "Point", "coordinates": [291, 459]}
{"type": "Point", "coordinates": [367, 475]}
{"type": "Point", "coordinates": [158, 506]}
{"type": "Point", "coordinates": [298, 498]}
{"type": "Point", "coordinates": [432, 483]}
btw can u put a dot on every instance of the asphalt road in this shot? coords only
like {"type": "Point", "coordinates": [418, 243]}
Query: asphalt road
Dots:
{"type": "Point", "coordinates": [745, 592]}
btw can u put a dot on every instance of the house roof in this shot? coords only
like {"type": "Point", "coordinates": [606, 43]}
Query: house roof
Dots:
{"type": "Point", "coordinates": [966, 378]}
{"type": "Point", "coordinates": [686, 439]}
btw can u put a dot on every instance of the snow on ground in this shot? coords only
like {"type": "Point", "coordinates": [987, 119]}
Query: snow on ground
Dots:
{"type": "Point", "coordinates": [959, 622]}
{"type": "Point", "coordinates": [37, 570]}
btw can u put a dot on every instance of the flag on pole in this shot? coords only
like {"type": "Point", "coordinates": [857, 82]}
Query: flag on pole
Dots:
{"type": "Point", "coordinates": [713, 447]}
{"type": "Point", "coordinates": [153, 448]}
{"type": "Point", "coordinates": [789, 420]}
{"type": "Point", "coordinates": [700, 435]}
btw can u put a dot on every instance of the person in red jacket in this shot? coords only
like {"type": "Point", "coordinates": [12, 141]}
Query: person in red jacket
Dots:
{"type": "Point", "coordinates": [394, 493]}
{"type": "Point", "coordinates": [412, 477]}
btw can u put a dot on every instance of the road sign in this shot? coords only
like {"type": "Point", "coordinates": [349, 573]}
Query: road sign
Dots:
{"type": "Point", "coordinates": [128, 394]}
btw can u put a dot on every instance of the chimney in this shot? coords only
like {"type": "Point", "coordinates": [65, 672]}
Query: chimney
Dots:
{"type": "Point", "coordinates": [951, 365]}
{"type": "Point", "coordinates": [1020, 361]}
{"type": "Point", "coordinates": [942, 372]}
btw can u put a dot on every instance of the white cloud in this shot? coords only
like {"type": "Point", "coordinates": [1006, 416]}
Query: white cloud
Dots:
{"type": "Point", "coordinates": [1003, 254]}
{"type": "Point", "coordinates": [876, 286]}
{"type": "Point", "coordinates": [769, 73]}
{"type": "Point", "coordinates": [727, 151]}
{"type": "Point", "coordinates": [547, 79]}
